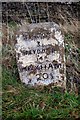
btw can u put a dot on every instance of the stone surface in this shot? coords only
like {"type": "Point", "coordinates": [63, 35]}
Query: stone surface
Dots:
{"type": "Point", "coordinates": [40, 54]}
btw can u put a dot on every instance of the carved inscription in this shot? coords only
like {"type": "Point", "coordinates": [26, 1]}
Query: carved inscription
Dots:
{"type": "Point", "coordinates": [40, 54]}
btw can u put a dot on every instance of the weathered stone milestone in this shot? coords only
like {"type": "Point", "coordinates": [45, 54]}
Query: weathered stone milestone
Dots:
{"type": "Point", "coordinates": [40, 54]}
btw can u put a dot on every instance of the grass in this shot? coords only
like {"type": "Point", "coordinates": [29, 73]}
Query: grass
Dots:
{"type": "Point", "coordinates": [12, 24]}
{"type": "Point", "coordinates": [23, 103]}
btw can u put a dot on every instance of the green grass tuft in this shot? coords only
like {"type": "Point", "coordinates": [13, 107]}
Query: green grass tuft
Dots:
{"type": "Point", "coordinates": [23, 103]}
